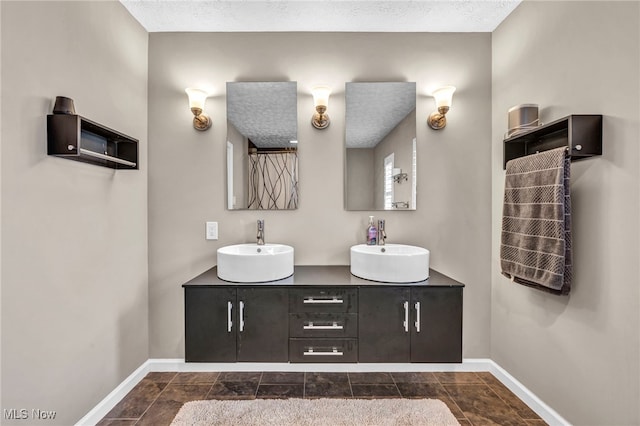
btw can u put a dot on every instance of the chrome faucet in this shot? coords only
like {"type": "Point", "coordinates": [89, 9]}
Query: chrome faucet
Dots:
{"type": "Point", "coordinates": [260, 236]}
{"type": "Point", "coordinates": [382, 235]}
{"type": "Point", "coordinates": [400, 205]}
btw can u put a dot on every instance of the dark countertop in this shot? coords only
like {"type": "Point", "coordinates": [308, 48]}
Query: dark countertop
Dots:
{"type": "Point", "coordinates": [322, 275]}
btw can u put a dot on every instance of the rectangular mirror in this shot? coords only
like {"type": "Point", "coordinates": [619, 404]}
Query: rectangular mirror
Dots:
{"type": "Point", "coordinates": [262, 145]}
{"type": "Point", "coordinates": [380, 144]}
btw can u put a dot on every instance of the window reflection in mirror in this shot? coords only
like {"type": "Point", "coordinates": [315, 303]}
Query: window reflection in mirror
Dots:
{"type": "Point", "coordinates": [380, 143]}
{"type": "Point", "coordinates": [262, 145]}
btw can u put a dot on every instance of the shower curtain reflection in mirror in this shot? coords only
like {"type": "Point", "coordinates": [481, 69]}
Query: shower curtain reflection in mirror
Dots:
{"type": "Point", "coordinates": [264, 179]}
{"type": "Point", "coordinates": [273, 180]}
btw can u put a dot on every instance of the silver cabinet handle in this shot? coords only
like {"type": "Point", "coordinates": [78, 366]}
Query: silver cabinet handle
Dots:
{"type": "Point", "coordinates": [312, 326]}
{"type": "Point", "coordinates": [417, 317]}
{"type": "Point", "coordinates": [241, 315]}
{"type": "Point", "coordinates": [324, 300]}
{"type": "Point", "coordinates": [333, 352]}
{"type": "Point", "coordinates": [229, 322]}
{"type": "Point", "coordinates": [405, 323]}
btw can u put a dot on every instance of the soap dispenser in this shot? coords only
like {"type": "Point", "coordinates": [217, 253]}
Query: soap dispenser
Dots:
{"type": "Point", "coordinates": [372, 233]}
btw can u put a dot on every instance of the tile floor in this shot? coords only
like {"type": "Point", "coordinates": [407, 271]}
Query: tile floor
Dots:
{"type": "Point", "coordinates": [474, 398]}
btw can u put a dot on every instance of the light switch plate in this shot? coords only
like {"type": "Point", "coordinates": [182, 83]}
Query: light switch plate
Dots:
{"type": "Point", "coordinates": [212, 231]}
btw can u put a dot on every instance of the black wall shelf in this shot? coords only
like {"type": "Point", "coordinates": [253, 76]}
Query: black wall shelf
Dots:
{"type": "Point", "coordinates": [77, 138]}
{"type": "Point", "coordinates": [580, 133]}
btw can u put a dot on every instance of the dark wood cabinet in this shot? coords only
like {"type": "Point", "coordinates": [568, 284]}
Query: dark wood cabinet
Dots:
{"type": "Point", "coordinates": [410, 324]}
{"type": "Point", "coordinates": [208, 334]}
{"type": "Point", "coordinates": [226, 324]}
{"type": "Point", "coordinates": [323, 350]}
{"type": "Point", "coordinates": [310, 322]}
{"type": "Point", "coordinates": [77, 138]}
{"type": "Point", "coordinates": [323, 299]}
{"type": "Point", "coordinates": [323, 324]}
{"type": "Point", "coordinates": [581, 134]}
{"type": "Point", "coordinates": [263, 331]}
{"type": "Point", "coordinates": [436, 327]}
{"type": "Point", "coordinates": [384, 334]}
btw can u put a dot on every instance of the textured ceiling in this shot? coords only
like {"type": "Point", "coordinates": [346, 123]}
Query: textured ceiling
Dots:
{"type": "Point", "coordinates": [327, 15]}
{"type": "Point", "coordinates": [264, 112]}
{"type": "Point", "coordinates": [267, 112]}
{"type": "Point", "coordinates": [374, 109]}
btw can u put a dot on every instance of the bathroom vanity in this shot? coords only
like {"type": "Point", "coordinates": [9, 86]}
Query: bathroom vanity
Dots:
{"type": "Point", "coordinates": [323, 314]}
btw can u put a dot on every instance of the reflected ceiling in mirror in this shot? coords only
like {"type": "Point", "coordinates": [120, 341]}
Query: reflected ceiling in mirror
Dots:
{"type": "Point", "coordinates": [380, 145]}
{"type": "Point", "coordinates": [262, 145]}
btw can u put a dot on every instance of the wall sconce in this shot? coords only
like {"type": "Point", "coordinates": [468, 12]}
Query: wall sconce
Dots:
{"type": "Point", "coordinates": [443, 96]}
{"type": "Point", "coordinates": [197, 98]}
{"type": "Point", "coordinates": [320, 120]}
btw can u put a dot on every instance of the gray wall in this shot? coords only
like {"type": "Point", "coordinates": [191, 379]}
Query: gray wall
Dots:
{"type": "Point", "coordinates": [359, 187]}
{"type": "Point", "coordinates": [240, 166]}
{"type": "Point", "coordinates": [74, 240]}
{"type": "Point", "coordinates": [579, 354]}
{"type": "Point", "coordinates": [187, 168]}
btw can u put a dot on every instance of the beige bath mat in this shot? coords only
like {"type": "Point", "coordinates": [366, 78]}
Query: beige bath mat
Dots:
{"type": "Point", "coordinates": [316, 412]}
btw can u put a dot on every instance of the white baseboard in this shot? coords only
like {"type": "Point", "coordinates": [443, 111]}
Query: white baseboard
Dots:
{"type": "Point", "coordinates": [547, 413]}
{"type": "Point", "coordinates": [99, 411]}
{"type": "Point", "coordinates": [179, 365]}
{"type": "Point", "coordinates": [182, 366]}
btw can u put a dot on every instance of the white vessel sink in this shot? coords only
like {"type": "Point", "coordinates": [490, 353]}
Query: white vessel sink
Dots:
{"type": "Point", "coordinates": [251, 263]}
{"type": "Point", "coordinates": [392, 263]}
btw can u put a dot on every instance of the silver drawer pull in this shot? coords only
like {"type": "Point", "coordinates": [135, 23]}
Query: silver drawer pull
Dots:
{"type": "Point", "coordinates": [314, 301]}
{"type": "Point", "coordinates": [334, 352]}
{"type": "Point", "coordinates": [229, 322]}
{"type": "Point", "coordinates": [333, 326]}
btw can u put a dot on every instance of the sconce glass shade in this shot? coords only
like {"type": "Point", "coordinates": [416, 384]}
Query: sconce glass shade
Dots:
{"type": "Point", "coordinates": [320, 119]}
{"type": "Point", "coordinates": [197, 99]}
{"type": "Point", "coordinates": [444, 96]}
{"type": "Point", "coordinates": [321, 96]}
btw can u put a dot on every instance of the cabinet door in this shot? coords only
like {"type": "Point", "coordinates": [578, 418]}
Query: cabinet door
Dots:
{"type": "Point", "coordinates": [436, 328]}
{"type": "Point", "coordinates": [383, 324]}
{"type": "Point", "coordinates": [263, 324]}
{"type": "Point", "coordinates": [210, 333]}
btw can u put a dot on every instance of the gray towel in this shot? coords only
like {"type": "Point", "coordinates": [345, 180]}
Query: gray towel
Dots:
{"type": "Point", "coordinates": [535, 248]}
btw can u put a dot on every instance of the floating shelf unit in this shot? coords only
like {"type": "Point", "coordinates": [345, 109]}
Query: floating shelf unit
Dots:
{"type": "Point", "coordinates": [581, 134]}
{"type": "Point", "coordinates": [77, 138]}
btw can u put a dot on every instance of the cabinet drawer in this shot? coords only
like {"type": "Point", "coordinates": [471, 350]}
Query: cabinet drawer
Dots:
{"type": "Point", "coordinates": [323, 299]}
{"type": "Point", "coordinates": [315, 324]}
{"type": "Point", "coordinates": [323, 350]}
